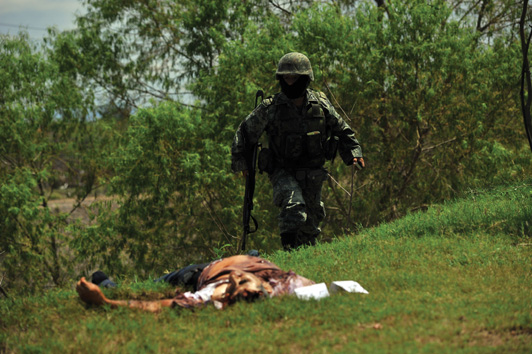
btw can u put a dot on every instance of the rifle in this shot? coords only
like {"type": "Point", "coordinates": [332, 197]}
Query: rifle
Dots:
{"type": "Point", "coordinates": [251, 160]}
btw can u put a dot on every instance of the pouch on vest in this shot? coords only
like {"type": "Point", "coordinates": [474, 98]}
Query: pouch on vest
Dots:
{"type": "Point", "coordinates": [293, 147]}
{"type": "Point", "coordinates": [266, 161]}
{"type": "Point", "coordinates": [314, 147]}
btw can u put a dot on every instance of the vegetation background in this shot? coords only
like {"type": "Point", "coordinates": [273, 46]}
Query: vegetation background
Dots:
{"type": "Point", "coordinates": [132, 115]}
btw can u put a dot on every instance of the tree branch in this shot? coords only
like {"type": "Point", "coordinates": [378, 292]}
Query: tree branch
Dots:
{"type": "Point", "coordinates": [469, 11]}
{"type": "Point", "coordinates": [438, 145]}
{"type": "Point", "coordinates": [336, 101]}
{"type": "Point", "coordinates": [1, 288]}
{"type": "Point", "coordinates": [336, 197]}
{"type": "Point", "coordinates": [277, 6]}
{"type": "Point", "coordinates": [525, 75]}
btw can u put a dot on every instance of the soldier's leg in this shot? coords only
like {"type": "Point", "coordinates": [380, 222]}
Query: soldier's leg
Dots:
{"type": "Point", "coordinates": [314, 207]}
{"type": "Point", "coordinates": [288, 196]}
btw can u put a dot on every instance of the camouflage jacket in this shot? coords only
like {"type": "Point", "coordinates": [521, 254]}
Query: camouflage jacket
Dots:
{"type": "Point", "coordinates": [294, 133]}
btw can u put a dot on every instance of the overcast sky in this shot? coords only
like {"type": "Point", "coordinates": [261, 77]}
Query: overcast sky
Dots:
{"type": "Point", "coordinates": [37, 15]}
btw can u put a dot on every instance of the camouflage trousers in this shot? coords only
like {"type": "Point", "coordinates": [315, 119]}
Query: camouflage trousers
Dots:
{"type": "Point", "coordinates": [298, 194]}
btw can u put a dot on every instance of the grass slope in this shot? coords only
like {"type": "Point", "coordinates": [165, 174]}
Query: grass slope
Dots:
{"type": "Point", "coordinates": [456, 278]}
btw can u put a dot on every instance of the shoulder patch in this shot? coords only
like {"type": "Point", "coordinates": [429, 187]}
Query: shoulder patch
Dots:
{"type": "Point", "coordinates": [322, 96]}
{"type": "Point", "coordinates": [322, 99]}
{"type": "Point", "coordinates": [267, 101]}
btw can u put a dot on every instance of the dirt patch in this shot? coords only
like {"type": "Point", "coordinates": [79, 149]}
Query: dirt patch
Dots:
{"type": "Point", "coordinates": [496, 338]}
{"type": "Point", "coordinates": [68, 206]}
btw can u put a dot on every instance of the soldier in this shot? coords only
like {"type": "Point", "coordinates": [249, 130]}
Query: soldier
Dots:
{"type": "Point", "coordinates": [303, 132]}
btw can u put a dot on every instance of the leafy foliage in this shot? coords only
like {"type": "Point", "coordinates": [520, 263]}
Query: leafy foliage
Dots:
{"type": "Point", "coordinates": [44, 145]}
{"type": "Point", "coordinates": [167, 178]}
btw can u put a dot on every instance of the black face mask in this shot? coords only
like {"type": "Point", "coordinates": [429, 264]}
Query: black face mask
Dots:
{"type": "Point", "coordinates": [297, 89]}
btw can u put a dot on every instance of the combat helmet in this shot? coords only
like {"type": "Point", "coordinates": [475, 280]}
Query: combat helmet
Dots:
{"type": "Point", "coordinates": [294, 63]}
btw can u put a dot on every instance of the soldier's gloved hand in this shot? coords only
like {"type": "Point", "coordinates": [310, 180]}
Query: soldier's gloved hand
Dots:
{"type": "Point", "coordinates": [359, 161]}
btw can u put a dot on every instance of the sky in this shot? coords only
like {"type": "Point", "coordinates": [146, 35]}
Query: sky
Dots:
{"type": "Point", "coordinates": [37, 15]}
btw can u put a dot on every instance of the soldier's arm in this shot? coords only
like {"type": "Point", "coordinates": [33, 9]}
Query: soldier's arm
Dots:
{"type": "Point", "coordinates": [248, 134]}
{"type": "Point", "coordinates": [349, 148]}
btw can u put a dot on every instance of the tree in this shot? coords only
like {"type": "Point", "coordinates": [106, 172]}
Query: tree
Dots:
{"type": "Point", "coordinates": [170, 184]}
{"type": "Point", "coordinates": [45, 143]}
{"type": "Point", "coordinates": [488, 17]}
{"type": "Point", "coordinates": [137, 50]}
{"type": "Point", "coordinates": [526, 82]}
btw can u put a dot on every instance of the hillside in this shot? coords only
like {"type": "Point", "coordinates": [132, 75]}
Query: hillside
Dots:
{"type": "Point", "coordinates": [456, 278]}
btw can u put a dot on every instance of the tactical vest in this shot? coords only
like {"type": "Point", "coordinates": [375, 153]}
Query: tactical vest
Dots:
{"type": "Point", "coordinates": [298, 139]}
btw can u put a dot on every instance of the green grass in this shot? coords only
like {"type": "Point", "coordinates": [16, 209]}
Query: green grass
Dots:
{"type": "Point", "coordinates": [456, 278]}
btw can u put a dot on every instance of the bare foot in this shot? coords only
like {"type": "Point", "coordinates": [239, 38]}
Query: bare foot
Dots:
{"type": "Point", "coordinates": [90, 293]}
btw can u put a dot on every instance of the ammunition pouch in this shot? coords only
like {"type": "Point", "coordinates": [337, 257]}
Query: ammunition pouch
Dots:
{"type": "Point", "coordinates": [266, 161]}
{"type": "Point", "coordinates": [314, 145]}
{"type": "Point", "coordinates": [293, 146]}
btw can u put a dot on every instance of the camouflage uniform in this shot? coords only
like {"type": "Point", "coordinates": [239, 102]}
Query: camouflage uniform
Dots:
{"type": "Point", "coordinates": [300, 140]}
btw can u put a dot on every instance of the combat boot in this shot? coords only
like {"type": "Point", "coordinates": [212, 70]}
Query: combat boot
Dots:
{"type": "Point", "coordinates": [289, 240]}
{"type": "Point", "coordinates": [304, 239]}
